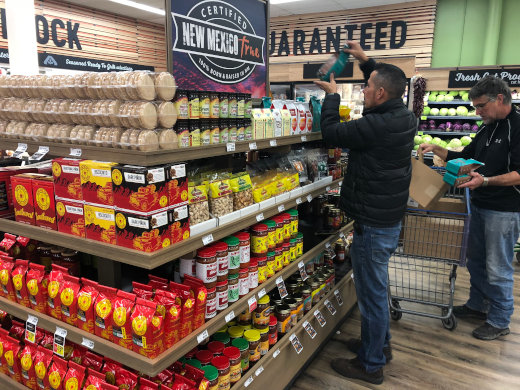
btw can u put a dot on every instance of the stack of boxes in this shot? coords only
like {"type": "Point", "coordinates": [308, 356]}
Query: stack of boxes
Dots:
{"type": "Point", "coordinates": [457, 171]}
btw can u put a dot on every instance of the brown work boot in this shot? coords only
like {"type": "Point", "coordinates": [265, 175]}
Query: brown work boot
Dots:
{"type": "Point", "coordinates": [352, 368]}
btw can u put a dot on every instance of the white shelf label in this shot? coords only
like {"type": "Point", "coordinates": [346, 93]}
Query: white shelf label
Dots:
{"type": "Point", "coordinates": [207, 239]}
{"type": "Point", "coordinates": [251, 302]}
{"type": "Point", "coordinates": [59, 341]}
{"type": "Point", "coordinates": [252, 146]}
{"type": "Point", "coordinates": [261, 293]}
{"type": "Point", "coordinates": [310, 330]}
{"type": "Point", "coordinates": [299, 200]}
{"type": "Point", "coordinates": [75, 152]}
{"type": "Point", "coordinates": [340, 184]}
{"type": "Point", "coordinates": [230, 147]}
{"type": "Point", "coordinates": [303, 271]}
{"type": "Point", "coordinates": [202, 336]}
{"type": "Point", "coordinates": [319, 317]}
{"type": "Point", "coordinates": [30, 328]}
{"type": "Point", "coordinates": [330, 306]}
{"type": "Point", "coordinates": [298, 347]}
{"type": "Point", "coordinates": [87, 343]}
{"type": "Point", "coordinates": [273, 143]}
{"type": "Point", "coordinates": [230, 316]}
{"type": "Point", "coordinates": [309, 198]}
{"type": "Point", "coordinates": [327, 188]}
{"type": "Point", "coordinates": [281, 287]}
{"type": "Point", "coordinates": [259, 370]}
{"type": "Point", "coordinates": [248, 381]}
{"type": "Point", "coordinates": [22, 148]}
{"type": "Point", "coordinates": [338, 297]}
{"type": "Point", "coordinates": [304, 138]}
{"type": "Point", "coordinates": [42, 151]}
{"type": "Point", "coordinates": [327, 246]}
{"type": "Point", "coordinates": [260, 217]}
{"type": "Point", "coordinates": [276, 353]}
{"type": "Point", "coordinates": [281, 208]}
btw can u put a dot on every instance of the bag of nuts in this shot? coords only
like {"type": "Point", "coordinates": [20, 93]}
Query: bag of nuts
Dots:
{"type": "Point", "coordinates": [198, 203]}
{"type": "Point", "coordinates": [242, 190]}
{"type": "Point", "coordinates": [220, 196]}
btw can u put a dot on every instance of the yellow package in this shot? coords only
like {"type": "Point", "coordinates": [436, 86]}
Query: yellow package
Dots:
{"type": "Point", "coordinates": [96, 182]}
{"type": "Point", "coordinates": [242, 188]}
{"type": "Point", "coordinates": [261, 193]}
{"type": "Point", "coordinates": [292, 181]}
{"type": "Point", "coordinates": [220, 197]}
{"type": "Point", "coordinates": [100, 223]}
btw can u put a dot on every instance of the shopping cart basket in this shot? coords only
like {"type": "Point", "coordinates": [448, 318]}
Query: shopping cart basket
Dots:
{"type": "Point", "coordinates": [423, 269]}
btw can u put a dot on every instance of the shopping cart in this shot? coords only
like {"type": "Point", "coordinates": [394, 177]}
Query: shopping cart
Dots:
{"type": "Point", "coordinates": [422, 271]}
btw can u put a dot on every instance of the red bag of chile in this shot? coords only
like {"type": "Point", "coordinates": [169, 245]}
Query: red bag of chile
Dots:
{"type": "Point", "coordinates": [6, 267]}
{"type": "Point", "coordinates": [200, 292]}
{"type": "Point", "coordinates": [42, 361]}
{"type": "Point", "coordinates": [125, 379]}
{"type": "Point", "coordinates": [164, 378]}
{"type": "Point", "coordinates": [93, 362]}
{"type": "Point", "coordinates": [182, 383]}
{"type": "Point", "coordinates": [169, 307]}
{"type": "Point", "coordinates": [74, 377]}
{"type": "Point", "coordinates": [147, 329]}
{"type": "Point", "coordinates": [17, 330]}
{"type": "Point", "coordinates": [69, 291]}
{"type": "Point", "coordinates": [187, 307]}
{"type": "Point", "coordinates": [56, 373]}
{"type": "Point", "coordinates": [37, 284]}
{"type": "Point", "coordinates": [145, 384]}
{"type": "Point", "coordinates": [121, 324]}
{"type": "Point", "coordinates": [27, 356]}
{"type": "Point", "coordinates": [157, 282]}
{"type": "Point", "coordinates": [104, 306]}
{"type": "Point", "coordinates": [95, 381]}
{"type": "Point", "coordinates": [109, 369]}
{"type": "Point", "coordinates": [86, 298]}
{"type": "Point", "coordinates": [20, 288]}
{"type": "Point", "coordinates": [142, 290]}
{"type": "Point", "coordinates": [53, 291]}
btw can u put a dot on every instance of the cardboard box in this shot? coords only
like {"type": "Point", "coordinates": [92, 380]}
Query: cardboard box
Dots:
{"type": "Point", "coordinates": [426, 186]}
{"type": "Point", "coordinates": [142, 189]}
{"type": "Point", "coordinates": [456, 181]}
{"type": "Point", "coordinates": [44, 204]}
{"type": "Point", "coordinates": [23, 198]}
{"type": "Point", "coordinates": [6, 200]}
{"type": "Point", "coordinates": [258, 123]}
{"type": "Point", "coordinates": [180, 226]}
{"type": "Point", "coordinates": [286, 122]}
{"type": "Point", "coordinates": [96, 182]}
{"type": "Point", "coordinates": [269, 122]}
{"type": "Point", "coordinates": [67, 179]}
{"type": "Point", "coordinates": [70, 217]}
{"type": "Point", "coordinates": [460, 166]}
{"type": "Point", "coordinates": [100, 224]}
{"type": "Point", "coordinates": [177, 184]}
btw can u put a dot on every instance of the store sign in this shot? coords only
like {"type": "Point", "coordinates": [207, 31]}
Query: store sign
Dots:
{"type": "Point", "coordinates": [219, 43]}
{"type": "Point", "coordinates": [468, 78]}
{"type": "Point", "coordinates": [330, 40]}
{"type": "Point", "coordinates": [57, 61]}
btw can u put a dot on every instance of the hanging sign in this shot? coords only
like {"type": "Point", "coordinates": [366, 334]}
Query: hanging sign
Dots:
{"type": "Point", "coordinates": [469, 77]}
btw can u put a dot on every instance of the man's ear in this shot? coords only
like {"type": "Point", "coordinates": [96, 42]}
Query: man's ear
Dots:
{"type": "Point", "coordinates": [380, 92]}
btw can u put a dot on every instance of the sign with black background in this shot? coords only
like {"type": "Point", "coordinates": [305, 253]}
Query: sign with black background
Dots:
{"type": "Point", "coordinates": [468, 78]}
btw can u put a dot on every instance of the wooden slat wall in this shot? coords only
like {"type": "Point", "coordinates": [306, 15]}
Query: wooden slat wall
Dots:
{"type": "Point", "coordinates": [419, 15]}
{"type": "Point", "coordinates": [104, 35]}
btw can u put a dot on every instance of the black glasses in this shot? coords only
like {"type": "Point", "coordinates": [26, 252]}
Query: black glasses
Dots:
{"type": "Point", "coordinates": [480, 106]}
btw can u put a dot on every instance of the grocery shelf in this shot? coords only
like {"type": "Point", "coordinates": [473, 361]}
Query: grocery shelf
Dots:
{"type": "Point", "coordinates": [162, 256]}
{"type": "Point", "coordinates": [6, 382]}
{"type": "Point", "coordinates": [287, 361]}
{"type": "Point", "coordinates": [515, 100]}
{"type": "Point", "coordinates": [154, 366]}
{"type": "Point", "coordinates": [454, 117]}
{"type": "Point", "coordinates": [136, 157]}
{"type": "Point", "coordinates": [453, 102]}
{"type": "Point", "coordinates": [442, 133]}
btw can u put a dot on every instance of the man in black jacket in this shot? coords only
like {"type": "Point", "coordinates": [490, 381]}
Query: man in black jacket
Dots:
{"type": "Point", "coordinates": [374, 193]}
{"type": "Point", "coordinates": [495, 207]}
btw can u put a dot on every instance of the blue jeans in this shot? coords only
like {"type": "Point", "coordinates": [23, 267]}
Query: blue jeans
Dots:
{"type": "Point", "coordinates": [371, 250]}
{"type": "Point", "coordinates": [492, 237]}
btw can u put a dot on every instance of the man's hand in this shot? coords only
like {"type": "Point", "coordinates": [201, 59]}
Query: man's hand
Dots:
{"type": "Point", "coordinates": [436, 149]}
{"type": "Point", "coordinates": [356, 51]}
{"type": "Point", "coordinates": [475, 182]}
{"type": "Point", "coordinates": [328, 87]}
{"type": "Point", "coordinates": [425, 148]}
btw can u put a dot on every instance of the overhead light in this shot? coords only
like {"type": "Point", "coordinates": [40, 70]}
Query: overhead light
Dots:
{"type": "Point", "coordinates": [282, 1]}
{"type": "Point", "coordinates": [140, 6]}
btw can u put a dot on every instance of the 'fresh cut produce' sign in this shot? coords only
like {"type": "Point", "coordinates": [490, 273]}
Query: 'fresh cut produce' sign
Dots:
{"type": "Point", "coordinates": [468, 78]}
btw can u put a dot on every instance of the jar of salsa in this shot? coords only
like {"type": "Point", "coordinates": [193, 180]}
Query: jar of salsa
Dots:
{"type": "Point", "coordinates": [279, 230]}
{"type": "Point", "coordinates": [223, 337]}
{"type": "Point", "coordinates": [294, 222]}
{"type": "Point", "coordinates": [221, 363]}
{"type": "Point", "coordinates": [70, 260]}
{"type": "Point", "coordinates": [283, 315]}
{"type": "Point", "coordinates": [204, 357]}
{"type": "Point", "coordinates": [264, 340]}
{"type": "Point", "coordinates": [211, 374]}
{"type": "Point", "coordinates": [224, 105]}
{"type": "Point", "coordinates": [234, 356]}
{"type": "Point", "coordinates": [183, 134]}
{"type": "Point", "coordinates": [44, 252]}
{"type": "Point", "coordinates": [279, 259]}
{"type": "Point", "coordinates": [271, 264]}
{"type": "Point", "coordinates": [216, 348]}
{"type": "Point", "coordinates": [193, 105]}
{"type": "Point", "coordinates": [245, 249]}
{"type": "Point", "coordinates": [262, 312]}
{"type": "Point", "coordinates": [222, 255]}
{"type": "Point", "coordinates": [243, 345]}
{"type": "Point", "coordinates": [271, 234]}
{"type": "Point", "coordinates": [233, 289]}
{"type": "Point", "coordinates": [234, 254]}
{"type": "Point", "coordinates": [287, 228]}
{"type": "Point", "coordinates": [243, 282]}
{"type": "Point", "coordinates": [214, 105]}
{"type": "Point", "coordinates": [262, 269]}
{"type": "Point", "coordinates": [259, 238]}
{"type": "Point", "coordinates": [204, 104]}
{"type": "Point", "coordinates": [244, 318]}
{"type": "Point", "coordinates": [286, 250]}
{"type": "Point", "coordinates": [206, 267]}
{"type": "Point", "coordinates": [211, 303]}
{"type": "Point", "coordinates": [273, 330]}
{"type": "Point", "coordinates": [181, 104]}
{"type": "Point", "coordinates": [235, 332]}
{"type": "Point", "coordinates": [56, 255]}
{"type": "Point", "coordinates": [307, 299]}
{"type": "Point", "coordinates": [253, 337]}
{"type": "Point", "coordinates": [292, 249]}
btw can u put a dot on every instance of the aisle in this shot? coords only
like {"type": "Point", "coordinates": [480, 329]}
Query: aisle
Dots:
{"type": "Point", "coordinates": [427, 356]}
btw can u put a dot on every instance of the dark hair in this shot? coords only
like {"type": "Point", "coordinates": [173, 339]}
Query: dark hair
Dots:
{"type": "Point", "coordinates": [391, 78]}
{"type": "Point", "coordinates": [491, 86]}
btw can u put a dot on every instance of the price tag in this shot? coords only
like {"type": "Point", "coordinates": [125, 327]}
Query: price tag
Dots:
{"type": "Point", "coordinates": [202, 336]}
{"type": "Point", "coordinates": [310, 330]}
{"type": "Point", "coordinates": [75, 152]}
{"type": "Point", "coordinates": [259, 370]}
{"type": "Point", "coordinates": [423, 118]}
{"type": "Point", "coordinates": [42, 151]}
{"type": "Point", "coordinates": [330, 306]}
{"type": "Point", "coordinates": [304, 138]}
{"type": "Point", "coordinates": [59, 341]}
{"type": "Point", "coordinates": [303, 272]}
{"type": "Point", "coordinates": [30, 328]}
{"type": "Point", "coordinates": [340, 184]}
{"type": "Point", "coordinates": [251, 302]}
{"type": "Point", "coordinates": [248, 381]}
{"type": "Point", "coordinates": [230, 147]}
{"type": "Point", "coordinates": [299, 200]}
{"type": "Point", "coordinates": [230, 316]}
{"type": "Point", "coordinates": [309, 198]}
{"type": "Point", "coordinates": [261, 293]}
{"type": "Point", "coordinates": [281, 208]}
{"type": "Point", "coordinates": [319, 317]}
{"type": "Point", "coordinates": [272, 142]}
{"type": "Point", "coordinates": [338, 297]}
{"type": "Point", "coordinates": [22, 148]}
{"type": "Point", "coordinates": [472, 135]}
{"type": "Point", "coordinates": [281, 287]}
{"type": "Point", "coordinates": [327, 246]}
{"type": "Point", "coordinates": [327, 188]}
{"type": "Point", "coordinates": [276, 353]}
{"type": "Point", "coordinates": [87, 343]}
{"type": "Point", "coordinates": [298, 347]}
{"type": "Point", "coordinates": [252, 146]}
{"type": "Point", "coordinates": [260, 217]}
{"type": "Point", "coordinates": [207, 239]}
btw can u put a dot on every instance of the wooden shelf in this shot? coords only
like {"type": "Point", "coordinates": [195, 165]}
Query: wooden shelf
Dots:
{"type": "Point", "coordinates": [6, 382]}
{"type": "Point", "coordinates": [154, 366]}
{"type": "Point", "coordinates": [288, 362]}
{"type": "Point", "coordinates": [155, 259]}
{"type": "Point", "coordinates": [135, 157]}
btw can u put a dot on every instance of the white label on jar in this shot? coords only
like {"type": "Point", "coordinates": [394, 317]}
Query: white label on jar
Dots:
{"type": "Point", "coordinates": [233, 293]}
{"type": "Point", "coordinates": [222, 300]}
{"type": "Point", "coordinates": [69, 169]}
{"type": "Point", "coordinates": [207, 272]}
{"type": "Point", "coordinates": [74, 210]}
{"type": "Point", "coordinates": [243, 286]}
{"type": "Point", "coordinates": [134, 177]}
{"type": "Point", "coordinates": [234, 259]}
{"type": "Point", "coordinates": [253, 279]}
{"type": "Point", "coordinates": [245, 253]}
{"type": "Point", "coordinates": [211, 307]}
{"type": "Point", "coordinates": [222, 264]}
{"type": "Point", "coordinates": [188, 267]}
{"type": "Point", "coordinates": [104, 216]}
{"type": "Point", "coordinates": [101, 172]}
{"type": "Point", "coordinates": [139, 223]}
{"type": "Point", "coordinates": [157, 175]}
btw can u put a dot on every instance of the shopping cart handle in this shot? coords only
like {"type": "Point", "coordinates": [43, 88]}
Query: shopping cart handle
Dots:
{"type": "Point", "coordinates": [420, 155]}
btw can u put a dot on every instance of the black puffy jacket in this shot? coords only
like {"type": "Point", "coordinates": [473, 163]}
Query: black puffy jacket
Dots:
{"type": "Point", "coordinates": [375, 188]}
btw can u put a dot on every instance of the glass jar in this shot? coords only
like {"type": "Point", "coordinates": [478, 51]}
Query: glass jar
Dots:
{"type": "Point", "coordinates": [233, 137]}
{"type": "Point", "coordinates": [339, 249]}
{"type": "Point", "coordinates": [253, 274]}
{"type": "Point", "coordinates": [223, 337]}
{"type": "Point", "coordinates": [293, 307]}
{"type": "Point", "coordinates": [233, 291]}
{"type": "Point", "coordinates": [233, 354]}
{"type": "Point", "coordinates": [294, 222]}
{"type": "Point", "coordinates": [70, 260]}
{"type": "Point", "coordinates": [335, 218]}
{"type": "Point", "coordinates": [235, 332]}
{"type": "Point", "coordinates": [315, 292]}
{"type": "Point", "coordinates": [214, 105]}
{"type": "Point", "coordinates": [292, 249]}
{"type": "Point", "coordinates": [248, 105]}
{"type": "Point", "coordinates": [271, 234]}
{"type": "Point", "coordinates": [194, 363]}
{"type": "Point", "coordinates": [204, 357]}
{"type": "Point", "coordinates": [245, 249]}
{"type": "Point", "coordinates": [243, 345]}
{"type": "Point", "coordinates": [222, 255]}
{"type": "Point", "coordinates": [244, 318]}
{"type": "Point", "coordinates": [221, 363]}
{"type": "Point", "coordinates": [206, 267]}
{"type": "Point", "coordinates": [214, 132]}
{"type": "Point", "coordinates": [243, 282]}
{"type": "Point", "coordinates": [259, 238]}
{"type": "Point", "coordinates": [248, 130]}
{"type": "Point", "coordinates": [204, 105]}
{"type": "Point", "coordinates": [216, 348]}
{"type": "Point", "coordinates": [234, 254]}
{"type": "Point", "coordinates": [299, 301]}
{"type": "Point", "coordinates": [224, 105]}
{"type": "Point", "coordinates": [271, 264]}
{"type": "Point", "coordinates": [193, 105]}
{"type": "Point", "coordinates": [283, 316]}
{"type": "Point", "coordinates": [262, 269]}
{"type": "Point", "coordinates": [181, 104]}
{"type": "Point", "coordinates": [264, 340]}
{"type": "Point", "coordinates": [253, 337]}
{"type": "Point", "coordinates": [279, 230]}
{"type": "Point", "coordinates": [224, 131]}
{"type": "Point", "coordinates": [278, 257]}
{"type": "Point", "coordinates": [183, 134]}
{"type": "Point", "coordinates": [222, 295]}
{"type": "Point", "coordinates": [287, 227]}
{"type": "Point", "coordinates": [307, 299]}
{"type": "Point", "coordinates": [44, 252]}
{"type": "Point", "coordinates": [273, 330]}
{"type": "Point", "coordinates": [286, 250]}
{"type": "Point", "coordinates": [232, 105]}
{"type": "Point", "coordinates": [299, 245]}
{"type": "Point", "coordinates": [241, 103]}
{"type": "Point", "coordinates": [205, 133]}
{"type": "Point", "coordinates": [292, 287]}
{"type": "Point", "coordinates": [241, 136]}
{"type": "Point", "coordinates": [211, 374]}
{"type": "Point", "coordinates": [211, 303]}
{"type": "Point", "coordinates": [262, 312]}
{"type": "Point", "coordinates": [56, 255]}
{"type": "Point", "coordinates": [194, 133]}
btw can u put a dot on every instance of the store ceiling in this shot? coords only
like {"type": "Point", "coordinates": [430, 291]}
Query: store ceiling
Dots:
{"type": "Point", "coordinates": [291, 8]}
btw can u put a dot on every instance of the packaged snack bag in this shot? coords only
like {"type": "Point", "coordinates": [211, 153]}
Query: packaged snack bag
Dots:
{"type": "Point", "coordinates": [4, 334]}
{"type": "Point", "coordinates": [200, 293]}
{"type": "Point", "coordinates": [77, 354]}
{"type": "Point", "coordinates": [121, 325]}
{"type": "Point", "coordinates": [37, 284]}
{"type": "Point", "coordinates": [164, 378]}
{"type": "Point", "coordinates": [17, 330]}
{"type": "Point", "coordinates": [95, 381]}
{"type": "Point", "coordinates": [142, 290]}
{"type": "Point", "coordinates": [157, 282]}
{"type": "Point", "coordinates": [104, 305]}
{"type": "Point", "coordinates": [28, 374]}
{"type": "Point", "coordinates": [181, 382]}
{"type": "Point", "coordinates": [187, 307]}
{"type": "Point", "coordinates": [126, 380]}
{"type": "Point", "coordinates": [53, 289]}
{"type": "Point", "coordinates": [110, 369]}
{"type": "Point", "coordinates": [74, 377]}
{"type": "Point", "coordinates": [6, 267]}
{"type": "Point", "coordinates": [56, 373]}
{"type": "Point", "coordinates": [93, 362]}
{"type": "Point", "coordinates": [168, 306]}
{"type": "Point", "coordinates": [20, 288]}
{"type": "Point", "coordinates": [147, 329]}
{"type": "Point", "coordinates": [69, 291]}
{"type": "Point", "coordinates": [145, 384]}
{"type": "Point", "coordinates": [42, 361]}
{"type": "Point", "coordinates": [86, 298]}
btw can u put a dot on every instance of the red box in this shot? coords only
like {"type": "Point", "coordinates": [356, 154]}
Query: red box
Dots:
{"type": "Point", "coordinates": [180, 227]}
{"type": "Point", "coordinates": [177, 184]}
{"type": "Point", "coordinates": [67, 179]}
{"type": "Point", "coordinates": [44, 204]}
{"type": "Point", "coordinates": [70, 217]}
{"type": "Point", "coordinates": [23, 198]}
{"type": "Point", "coordinates": [6, 200]}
